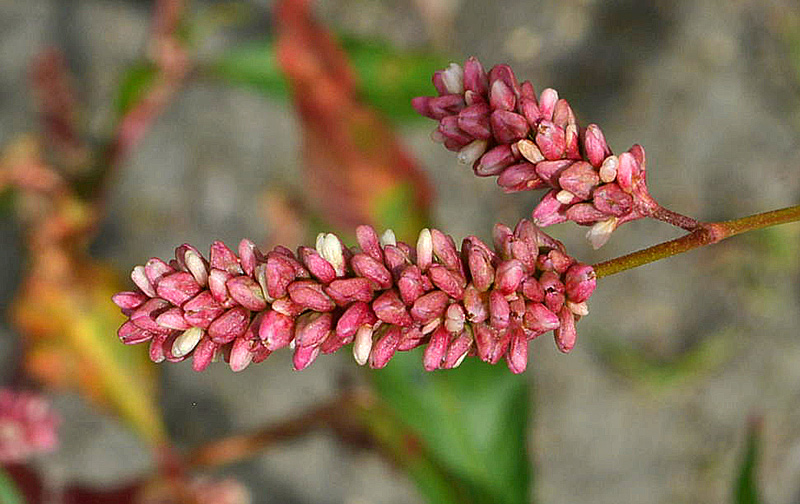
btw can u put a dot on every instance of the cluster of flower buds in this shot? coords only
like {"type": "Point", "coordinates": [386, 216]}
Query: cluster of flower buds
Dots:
{"type": "Point", "coordinates": [383, 296]}
{"type": "Point", "coordinates": [501, 128]}
{"type": "Point", "coordinates": [27, 426]}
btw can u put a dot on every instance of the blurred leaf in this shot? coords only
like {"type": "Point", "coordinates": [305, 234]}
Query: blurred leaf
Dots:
{"type": "Point", "coordinates": [135, 83]}
{"type": "Point", "coordinates": [746, 489]}
{"type": "Point", "coordinates": [68, 329]}
{"type": "Point", "coordinates": [9, 494]}
{"type": "Point", "coordinates": [473, 420]}
{"type": "Point", "coordinates": [388, 78]}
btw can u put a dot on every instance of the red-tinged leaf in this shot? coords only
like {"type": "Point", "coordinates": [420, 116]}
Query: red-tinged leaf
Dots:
{"type": "Point", "coordinates": [356, 170]}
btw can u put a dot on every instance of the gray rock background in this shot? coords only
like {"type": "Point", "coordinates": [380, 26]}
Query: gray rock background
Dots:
{"type": "Point", "coordinates": [653, 403]}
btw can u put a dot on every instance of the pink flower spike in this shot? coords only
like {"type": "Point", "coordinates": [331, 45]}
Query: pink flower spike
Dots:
{"type": "Point", "coordinates": [580, 282]}
{"type": "Point", "coordinates": [28, 425]}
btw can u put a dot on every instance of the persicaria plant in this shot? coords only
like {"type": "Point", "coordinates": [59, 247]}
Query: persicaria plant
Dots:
{"type": "Point", "coordinates": [384, 296]}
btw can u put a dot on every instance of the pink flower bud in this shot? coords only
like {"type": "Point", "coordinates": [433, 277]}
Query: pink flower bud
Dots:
{"type": "Point", "coordinates": [612, 200]}
{"type": "Point", "coordinates": [247, 256]}
{"type": "Point", "coordinates": [304, 356]}
{"type": "Point", "coordinates": [229, 325]}
{"type": "Point", "coordinates": [579, 179]}
{"type": "Point", "coordinates": [145, 316]}
{"type": "Point", "coordinates": [475, 305]}
{"type": "Point", "coordinates": [216, 284]}
{"type": "Point", "coordinates": [422, 104]}
{"type": "Point", "coordinates": [549, 211]}
{"type": "Point", "coordinates": [309, 294]}
{"type": "Point", "coordinates": [441, 107]}
{"type": "Point", "coordinates": [517, 355]}
{"type": "Point", "coordinates": [563, 114]}
{"type": "Point", "coordinates": [156, 350]}
{"type": "Point", "coordinates": [202, 309]}
{"type": "Point", "coordinates": [389, 308]}
{"type": "Point", "coordinates": [436, 350]}
{"type": "Point", "coordinates": [491, 345]}
{"type": "Point", "coordinates": [625, 171]}
{"type": "Point", "coordinates": [572, 139]}
{"type": "Point", "coordinates": [550, 171]}
{"type": "Point", "coordinates": [584, 213]}
{"type": "Point", "coordinates": [279, 273]}
{"type": "Point", "coordinates": [130, 334]}
{"type": "Point", "coordinates": [530, 110]}
{"type": "Point", "coordinates": [129, 300]}
{"type": "Point", "coordinates": [508, 127]}
{"type": "Point", "coordinates": [245, 291]}
{"type": "Point", "coordinates": [539, 319]}
{"type": "Point", "coordinates": [501, 97]}
{"type": "Point", "coordinates": [519, 177]}
{"type": "Point", "coordinates": [344, 291]}
{"type": "Point", "coordinates": [429, 306]}
{"type": "Point", "coordinates": [155, 269]}
{"type": "Point", "coordinates": [547, 103]}
{"type": "Point", "coordinates": [276, 330]}
{"type": "Point", "coordinates": [29, 426]}
{"type": "Point", "coordinates": [580, 282]}
{"type": "Point", "coordinates": [312, 328]}
{"type": "Point", "coordinates": [532, 290]}
{"type": "Point", "coordinates": [316, 265]}
{"type": "Point", "coordinates": [480, 269]}
{"type": "Point", "coordinates": [384, 348]}
{"type": "Point", "coordinates": [551, 140]}
{"type": "Point", "coordinates": [494, 161]}
{"type": "Point", "coordinates": [595, 146]}
{"type": "Point", "coordinates": [241, 354]}
{"type": "Point", "coordinates": [411, 338]}
{"type": "Point", "coordinates": [354, 316]}
{"type": "Point", "coordinates": [373, 270]}
{"type": "Point", "coordinates": [396, 260]}
{"type": "Point", "coordinates": [448, 281]}
{"type": "Point", "coordinates": [475, 78]}
{"type": "Point", "coordinates": [204, 354]}
{"type": "Point", "coordinates": [457, 350]}
{"type": "Point", "coordinates": [448, 128]}
{"type": "Point", "coordinates": [508, 277]}
{"type": "Point", "coordinates": [445, 250]}
{"type": "Point", "coordinates": [474, 120]}
{"type": "Point", "coordinates": [368, 241]}
{"type": "Point", "coordinates": [410, 284]}
{"type": "Point", "coordinates": [565, 335]}
{"type": "Point", "coordinates": [173, 319]}
{"type": "Point", "coordinates": [139, 277]}
{"type": "Point", "coordinates": [222, 257]}
{"type": "Point", "coordinates": [499, 311]}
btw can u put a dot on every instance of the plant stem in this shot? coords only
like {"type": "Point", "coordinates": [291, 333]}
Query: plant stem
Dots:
{"type": "Point", "coordinates": [703, 234]}
{"type": "Point", "coordinates": [676, 219]}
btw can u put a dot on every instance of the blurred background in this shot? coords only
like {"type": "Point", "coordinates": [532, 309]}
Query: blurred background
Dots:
{"type": "Point", "coordinates": [175, 123]}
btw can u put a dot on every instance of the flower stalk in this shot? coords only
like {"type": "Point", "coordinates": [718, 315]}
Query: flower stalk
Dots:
{"type": "Point", "coordinates": [704, 234]}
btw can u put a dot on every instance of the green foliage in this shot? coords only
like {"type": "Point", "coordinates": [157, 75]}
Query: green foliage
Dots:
{"type": "Point", "coordinates": [134, 85]}
{"type": "Point", "coordinates": [473, 422]}
{"type": "Point", "coordinates": [9, 494]}
{"type": "Point", "coordinates": [389, 78]}
{"type": "Point", "coordinates": [746, 486]}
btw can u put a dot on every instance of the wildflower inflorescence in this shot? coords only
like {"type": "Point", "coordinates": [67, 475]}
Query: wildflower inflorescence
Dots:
{"type": "Point", "coordinates": [27, 425]}
{"type": "Point", "coordinates": [500, 127]}
{"type": "Point", "coordinates": [383, 296]}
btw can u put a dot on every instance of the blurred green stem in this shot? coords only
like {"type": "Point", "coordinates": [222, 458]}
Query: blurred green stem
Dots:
{"type": "Point", "coordinates": [707, 234]}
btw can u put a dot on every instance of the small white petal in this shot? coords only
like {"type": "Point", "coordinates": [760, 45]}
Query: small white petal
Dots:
{"type": "Point", "coordinates": [424, 249]}
{"type": "Point", "coordinates": [388, 238]}
{"type": "Point", "coordinates": [362, 344]}
{"type": "Point", "coordinates": [581, 309]}
{"type": "Point", "coordinates": [453, 78]}
{"type": "Point", "coordinates": [472, 151]}
{"type": "Point", "coordinates": [196, 266]}
{"type": "Point", "coordinates": [530, 151]}
{"type": "Point", "coordinates": [608, 170]}
{"type": "Point", "coordinates": [564, 197]}
{"type": "Point", "coordinates": [186, 342]}
{"type": "Point", "coordinates": [333, 251]}
{"type": "Point", "coordinates": [140, 279]}
{"type": "Point", "coordinates": [431, 326]}
{"type": "Point", "coordinates": [320, 242]}
{"type": "Point", "coordinates": [599, 234]}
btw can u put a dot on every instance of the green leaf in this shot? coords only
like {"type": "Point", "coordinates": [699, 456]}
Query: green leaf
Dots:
{"type": "Point", "coordinates": [9, 493]}
{"type": "Point", "coordinates": [389, 78]}
{"type": "Point", "coordinates": [746, 489]}
{"type": "Point", "coordinates": [473, 420]}
{"type": "Point", "coordinates": [135, 83]}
